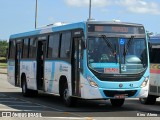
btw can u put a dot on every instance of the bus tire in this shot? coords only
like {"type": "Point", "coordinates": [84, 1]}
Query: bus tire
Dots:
{"type": "Point", "coordinates": [25, 90]}
{"type": "Point", "coordinates": [117, 102]}
{"type": "Point", "coordinates": [68, 100]}
{"type": "Point", "coordinates": [33, 93]}
{"type": "Point", "coordinates": [150, 100]}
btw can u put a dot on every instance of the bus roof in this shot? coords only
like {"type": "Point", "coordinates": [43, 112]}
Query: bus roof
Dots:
{"type": "Point", "coordinates": [49, 29]}
{"type": "Point", "coordinates": [154, 40]}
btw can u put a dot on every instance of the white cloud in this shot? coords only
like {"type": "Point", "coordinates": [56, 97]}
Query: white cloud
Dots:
{"type": "Point", "coordinates": [84, 3]}
{"type": "Point", "coordinates": [133, 6]}
{"type": "Point", "coordinates": [140, 6]}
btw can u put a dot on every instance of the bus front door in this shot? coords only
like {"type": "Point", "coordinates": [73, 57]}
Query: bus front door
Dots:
{"type": "Point", "coordinates": [40, 64]}
{"type": "Point", "coordinates": [76, 59]}
{"type": "Point", "coordinates": [17, 63]}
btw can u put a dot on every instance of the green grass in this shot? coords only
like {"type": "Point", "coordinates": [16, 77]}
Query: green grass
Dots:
{"type": "Point", "coordinates": [2, 58]}
{"type": "Point", "coordinates": [3, 65]}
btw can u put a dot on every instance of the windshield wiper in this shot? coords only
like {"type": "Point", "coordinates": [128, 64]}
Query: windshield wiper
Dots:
{"type": "Point", "coordinates": [126, 47]}
{"type": "Point", "coordinates": [106, 40]}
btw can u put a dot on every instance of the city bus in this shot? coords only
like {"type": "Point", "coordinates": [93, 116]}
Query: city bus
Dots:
{"type": "Point", "coordinates": [90, 60]}
{"type": "Point", "coordinates": [154, 86]}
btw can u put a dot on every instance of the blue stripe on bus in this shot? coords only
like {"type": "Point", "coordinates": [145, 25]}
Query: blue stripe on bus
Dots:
{"type": "Point", "coordinates": [52, 78]}
{"type": "Point", "coordinates": [36, 32]}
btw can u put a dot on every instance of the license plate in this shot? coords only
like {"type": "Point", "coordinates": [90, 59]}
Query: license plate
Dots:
{"type": "Point", "coordinates": [120, 96]}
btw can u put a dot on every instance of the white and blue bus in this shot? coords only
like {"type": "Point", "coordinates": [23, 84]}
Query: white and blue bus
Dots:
{"type": "Point", "coordinates": [154, 85]}
{"type": "Point", "coordinates": [87, 60]}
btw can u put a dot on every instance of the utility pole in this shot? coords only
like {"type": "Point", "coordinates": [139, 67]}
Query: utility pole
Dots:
{"type": "Point", "coordinates": [90, 7]}
{"type": "Point", "coordinates": [36, 10]}
{"type": "Point", "coordinates": [90, 11]}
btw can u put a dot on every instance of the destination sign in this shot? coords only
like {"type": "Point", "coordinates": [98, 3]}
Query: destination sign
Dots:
{"type": "Point", "coordinates": [119, 29]}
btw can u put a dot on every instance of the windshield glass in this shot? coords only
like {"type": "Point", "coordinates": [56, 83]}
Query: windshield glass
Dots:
{"type": "Point", "coordinates": [117, 55]}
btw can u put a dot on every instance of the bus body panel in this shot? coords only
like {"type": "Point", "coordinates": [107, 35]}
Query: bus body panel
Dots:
{"type": "Point", "coordinates": [11, 72]}
{"type": "Point", "coordinates": [88, 92]}
{"type": "Point", "coordinates": [53, 71]}
{"type": "Point", "coordinates": [29, 68]}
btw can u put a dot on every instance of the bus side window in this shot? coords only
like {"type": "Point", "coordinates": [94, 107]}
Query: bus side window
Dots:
{"type": "Point", "coordinates": [65, 45]}
{"type": "Point", "coordinates": [53, 46]}
{"type": "Point", "coordinates": [154, 55]}
{"type": "Point", "coordinates": [12, 49]}
{"type": "Point", "coordinates": [32, 48]}
{"type": "Point", "coordinates": [25, 48]}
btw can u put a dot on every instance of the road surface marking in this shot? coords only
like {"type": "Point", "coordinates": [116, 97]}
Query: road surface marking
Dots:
{"type": "Point", "coordinates": [8, 98]}
{"type": "Point", "coordinates": [43, 106]}
{"type": "Point", "coordinates": [13, 102]}
{"type": "Point", "coordinates": [19, 106]}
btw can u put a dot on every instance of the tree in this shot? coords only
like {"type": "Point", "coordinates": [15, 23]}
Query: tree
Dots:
{"type": "Point", "coordinates": [3, 48]}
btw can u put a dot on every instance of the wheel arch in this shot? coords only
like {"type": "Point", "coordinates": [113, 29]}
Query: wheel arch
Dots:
{"type": "Point", "coordinates": [62, 80]}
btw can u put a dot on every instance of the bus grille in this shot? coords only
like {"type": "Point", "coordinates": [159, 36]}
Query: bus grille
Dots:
{"type": "Point", "coordinates": [111, 93]}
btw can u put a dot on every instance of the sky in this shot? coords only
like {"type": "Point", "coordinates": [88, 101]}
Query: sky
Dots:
{"type": "Point", "coordinates": [18, 16]}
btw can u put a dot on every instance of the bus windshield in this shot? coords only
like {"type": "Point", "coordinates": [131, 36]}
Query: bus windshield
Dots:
{"type": "Point", "coordinates": [117, 55]}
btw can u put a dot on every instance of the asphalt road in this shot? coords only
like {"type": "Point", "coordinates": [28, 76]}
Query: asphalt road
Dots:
{"type": "Point", "coordinates": [45, 106]}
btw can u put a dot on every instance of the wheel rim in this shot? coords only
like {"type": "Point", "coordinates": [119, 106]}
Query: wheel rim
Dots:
{"type": "Point", "coordinates": [66, 95]}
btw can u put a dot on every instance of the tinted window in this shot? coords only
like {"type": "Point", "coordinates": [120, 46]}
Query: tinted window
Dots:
{"type": "Point", "coordinates": [154, 55]}
{"type": "Point", "coordinates": [65, 45]}
{"type": "Point", "coordinates": [53, 46]}
{"type": "Point", "coordinates": [12, 49]}
{"type": "Point", "coordinates": [25, 48]}
{"type": "Point", "coordinates": [32, 48]}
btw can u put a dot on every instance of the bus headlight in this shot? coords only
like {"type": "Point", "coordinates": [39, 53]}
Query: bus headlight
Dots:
{"type": "Point", "coordinates": [91, 82]}
{"type": "Point", "coordinates": [145, 82]}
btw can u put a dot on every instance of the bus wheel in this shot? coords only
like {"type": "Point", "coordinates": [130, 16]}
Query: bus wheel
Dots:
{"type": "Point", "coordinates": [68, 100]}
{"type": "Point", "coordinates": [25, 90]}
{"type": "Point", "coordinates": [33, 93]}
{"type": "Point", "coordinates": [117, 102]}
{"type": "Point", "coordinates": [150, 100]}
